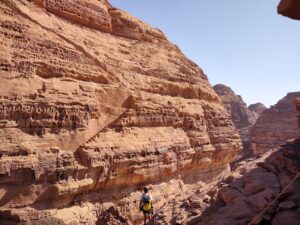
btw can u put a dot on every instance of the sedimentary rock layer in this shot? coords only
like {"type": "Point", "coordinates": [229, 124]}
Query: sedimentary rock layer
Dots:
{"type": "Point", "coordinates": [260, 190]}
{"type": "Point", "coordinates": [94, 104]}
{"type": "Point", "coordinates": [276, 125]}
{"type": "Point", "coordinates": [254, 185]}
{"type": "Point", "coordinates": [241, 198]}
{"type": "Point", "coordinates": [242, 117]}
{"type": "Point", "coordinates": [290, 8]}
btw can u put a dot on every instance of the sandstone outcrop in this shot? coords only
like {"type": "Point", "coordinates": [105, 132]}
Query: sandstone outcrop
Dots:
{"type": "Point", "coordinates": [290, 8]}
{"type": "Point", "coordinates": [94, 104]}
{"type": "Point", "coordinates": [276, 125]}
{"type": "Point", "coordinates": [242, 117]}
{"type": "Point", "coordinates": [257, 108]}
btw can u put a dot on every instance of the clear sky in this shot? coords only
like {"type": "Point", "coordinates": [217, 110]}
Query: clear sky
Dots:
{"type": "Point", "coordinates": [243, 44]}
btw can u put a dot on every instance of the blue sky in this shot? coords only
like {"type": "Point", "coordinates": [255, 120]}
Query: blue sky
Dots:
{"type": "Point", "coordinates": [243, 44]}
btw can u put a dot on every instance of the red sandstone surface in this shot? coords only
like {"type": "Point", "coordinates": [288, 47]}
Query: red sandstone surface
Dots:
{"type": "Point", "coordinates": [94, 104]}
{"type": "Point", "coordinates": [251, 188]}
{"type": "Point", "coordinates": [260, 191]}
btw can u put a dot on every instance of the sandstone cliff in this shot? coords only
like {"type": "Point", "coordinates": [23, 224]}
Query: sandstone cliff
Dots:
{"type": "Point", "coordinates": [257, 108]}
{"type": "Point", "coordinates": [94, 104]}
{"type": "Point", "coordinates": [242, 117]}
{"type": "Point", "coordinates": [290, 8]}
{"type": "Point", "coordinates": [276, 125]}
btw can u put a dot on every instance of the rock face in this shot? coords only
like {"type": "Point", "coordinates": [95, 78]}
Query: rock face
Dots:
{"type": "Point", "coordinates": [254, 185]}
{"type": "Point", "coordinates": [242, 117]}
{"type": "Point", "coordinates": [240, 199]}
{"type": "Point", "coordinates": [276, 125]}
{"type": "Point", "coordinates": [257, 108]}
{"type": "Point", "coordinates": [290, 8]}
{"type": "Point", "coordinates": [260, 190]}
{"type": "Point", "coordinates": [94, 104]}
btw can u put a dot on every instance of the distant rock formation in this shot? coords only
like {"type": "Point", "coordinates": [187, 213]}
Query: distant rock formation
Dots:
{"type": "Point", "coordinates": [290, 8]}
{"type": "Point", "coordinates": [242, 117]}
{"type": "Point", "coordinates": [95, 104]}
{"type": "Point", "coordinates": [276, 125]}
{"type": "Point", "coordinates": [257, 108]}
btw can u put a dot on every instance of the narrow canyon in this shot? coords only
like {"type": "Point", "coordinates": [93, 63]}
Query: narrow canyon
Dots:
{"type": "Point", "coordinates": [96, 104]}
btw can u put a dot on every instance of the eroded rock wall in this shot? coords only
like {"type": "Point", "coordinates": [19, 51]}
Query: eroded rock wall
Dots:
{"type": "Point", "coordinates": [252, 188]}
{"type": "Point", "coordinates": [264, 190]}
{"type": "Point", "coordinates": [242, 117]}
{"type": "Point", "coordinates": [95, 104]}
{"type": "Point", "coordinates": [260, 190]}
{"type": "Point", "coordinates": [276, 125]}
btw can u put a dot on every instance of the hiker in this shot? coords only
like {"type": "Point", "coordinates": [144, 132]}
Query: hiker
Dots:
{"type": "Point", "coordinates": [146, 205]}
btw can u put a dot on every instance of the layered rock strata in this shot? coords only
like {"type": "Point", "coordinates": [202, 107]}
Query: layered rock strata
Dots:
{"type": "Point", "coordinates": [251, 188]}
{"type": "Point", "coordinates": [261, 190]}
{"type": "Point", "coordinates": [289, 8]}
{"type": "Point", "coordinates": [257, 108]}
{"type": "Point", "coordinates": [276, 125]}
{"type": "Point", "coordinates": [94, 104]}
{"type": "Point", "coordinates": [242, 117]}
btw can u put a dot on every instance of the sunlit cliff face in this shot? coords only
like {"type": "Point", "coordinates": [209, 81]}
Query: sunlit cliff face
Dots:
{"type": "Point", "coordinates": [95, 103]}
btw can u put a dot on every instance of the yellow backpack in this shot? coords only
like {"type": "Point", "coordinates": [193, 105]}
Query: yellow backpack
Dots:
{"type": "Point", "coordinates": [147, 205]}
